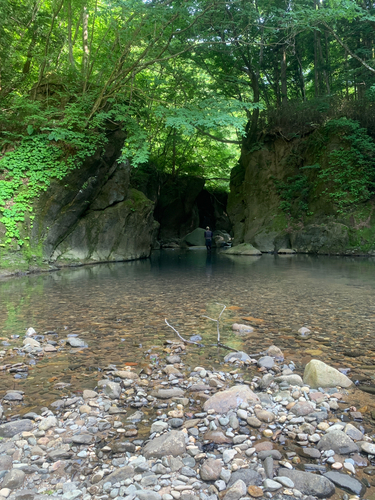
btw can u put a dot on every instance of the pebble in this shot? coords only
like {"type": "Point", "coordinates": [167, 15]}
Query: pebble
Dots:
{"type": "Point", "coordinates": [187, 455]}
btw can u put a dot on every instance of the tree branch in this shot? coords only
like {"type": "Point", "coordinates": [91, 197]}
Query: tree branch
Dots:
{"type": "Point", "coordinates": [338, 39]}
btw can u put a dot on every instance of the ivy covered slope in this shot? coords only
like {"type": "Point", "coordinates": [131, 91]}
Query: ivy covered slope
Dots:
{"type": "Point", "coordinates": [314, 194]}
{"type": "Point", "coordinates": [66, 202]}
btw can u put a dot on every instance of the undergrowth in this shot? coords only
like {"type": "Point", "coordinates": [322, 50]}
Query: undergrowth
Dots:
{"type": "Point", "coordinates": [29, 169]}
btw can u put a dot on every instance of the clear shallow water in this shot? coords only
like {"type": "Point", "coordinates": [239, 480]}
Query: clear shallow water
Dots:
{"type": "Point", "coordinates": [119, 310]}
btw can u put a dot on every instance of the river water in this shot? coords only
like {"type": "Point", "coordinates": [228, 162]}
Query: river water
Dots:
{"type": "Point", "coordinates": [119, 310]}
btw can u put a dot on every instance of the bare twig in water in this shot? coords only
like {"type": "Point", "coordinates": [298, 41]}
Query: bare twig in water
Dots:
{"type": "Point", "coordinates": [183, 340]}
{"type": "Point", "coordinates": [217, 322]}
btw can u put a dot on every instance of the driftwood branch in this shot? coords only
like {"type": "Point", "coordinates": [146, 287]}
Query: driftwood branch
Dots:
{"type": "Point", "coordinates": [179, 336]}
{"type": "Point", "coordinates": [217, 321]}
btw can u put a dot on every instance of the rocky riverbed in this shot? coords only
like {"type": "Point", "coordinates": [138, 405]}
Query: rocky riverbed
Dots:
{"type": "Point", "coordinates": [170, 431]}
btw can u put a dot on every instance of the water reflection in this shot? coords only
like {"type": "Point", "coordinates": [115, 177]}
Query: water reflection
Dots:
{"type": "Point", "coordinates": [119, 310]}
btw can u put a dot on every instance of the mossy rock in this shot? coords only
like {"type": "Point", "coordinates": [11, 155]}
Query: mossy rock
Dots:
{"type": "Point", "coordinates": [243, 249]}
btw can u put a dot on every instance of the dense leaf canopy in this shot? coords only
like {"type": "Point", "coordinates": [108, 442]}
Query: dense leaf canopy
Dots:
{"type": "Point", "coordinates": [191, 81]}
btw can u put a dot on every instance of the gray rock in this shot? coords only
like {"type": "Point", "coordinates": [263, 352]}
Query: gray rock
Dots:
{"type": "Point", "coordinates": [268, 467]}
{"type": "Point", "coordinates": [303, 408]}
{"type": "Point", "coordinates": [211, 469]}
{"type": "Point", "coordinates": [62, 453]}
{"type": "Point", "coordinates": [82, 439]}
{"type": "Point", "coordinates": [236, 491]}
{"type": "Point", "coordinates": [337, 441]}
{"type": "Point", "coordinates": [346, 482]}
{"type": "Point", "coordinates": [353, 432]}
{"type": "Point", "coordinates": [13, 396]}
{"type": "Point", "coordinates": [233, 356]}
{"type": "Point", "coordinates": [159, 426]}
{"type": "Point", "coordinates": [120, 475]}
{"type": "Point", "coordinates": [290, 379]}
{"type": "Point", "coordinates": [75, 342]}
{"type": "Point", "coordinates": [368, 448]}
{"type": "Point", "coordinates": [5, 462]}
{"type": "Point", "coordinates": [271, 485]}
{"type": "Point", "coordinates": [243, 249]}
{"type": "Point", "coordinates": [175, 423]}
{"type": "Point", "coordinates": [27, 494]}
{"type": "Point", "coordinates": [87, 394]}
{"type": "Point", "coordinates": [13, 479]}
{"type": "Point", "coordinates": [112, 390]}
{"type": "Point", "coordinates": [254, 422]}
{"type": "Point", "coordinates": [266, 362]}
{"type": "Point", "coordinates": [285, 481]}
{"type": "Point", "coordinates": [171, 443]}
{"type": "Point", "coordinates": [230, 399]}
{"type": "Point", "coordinates": [248, 476]}
{"type": "Point", "coordinates": [266, 381]}
{"type": "Point", "coordinates": [148, 495]}
{"type": "Point", "coordinates": [173, 358]}
{"type": "Point", "coordinates": [188, 472]}
{"type": "Point", "coordinates": [175, 392]}
{"type": "Point", "coordinates": [318, 374]}
{"type": "Point", "coordinates": [72, 495]}
{"type": "Point", "coordinates": [10, 429]}
{"type": "Point", "coordinates": [123, 447]}
{"type": "Point", "coordinates": [309, 453]}
{"type": "Point", "coordinates": [310, 484]}
{"type": "Point", "coordinates": [275, 454]}
{"type": "Point", "coordinates": [47, 423]}
{"type": "Point", "coordinates": [195, 238]}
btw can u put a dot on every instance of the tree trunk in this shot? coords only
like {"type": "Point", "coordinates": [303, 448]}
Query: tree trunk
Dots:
{"type": "Point", "coordinates": [284, 87]}
{"type": "Point", "coordinates": [85, 40]}
{"type": "Point", "coordinates": [70, 42]}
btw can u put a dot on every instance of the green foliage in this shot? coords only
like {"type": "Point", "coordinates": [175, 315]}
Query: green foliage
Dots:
{"type": "Point", "coordinates": [294, 194]}
{"type": "Point", "coordinates": [29, 169]}
{"type": "Point", "coordinates": [350, 172]}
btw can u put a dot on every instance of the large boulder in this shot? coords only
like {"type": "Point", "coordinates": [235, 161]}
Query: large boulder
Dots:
{"type": "Point", "coordinates": [318, 374]}
{"type": "Point", "coordinates": [195, 238]}
{"type": "Point", "coordinates": [243, 249]}
{"type": "Point", "coordinates": [230, 399]}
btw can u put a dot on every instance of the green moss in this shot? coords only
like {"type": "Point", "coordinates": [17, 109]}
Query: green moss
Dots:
{"type": "Point", "coordinates": [137, 201]}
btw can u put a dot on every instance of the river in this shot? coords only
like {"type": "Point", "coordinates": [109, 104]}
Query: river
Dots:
{"type": "Point", "coordinates": [119, 310]}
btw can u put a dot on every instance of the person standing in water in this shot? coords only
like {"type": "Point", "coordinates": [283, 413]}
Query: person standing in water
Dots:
{"type": "Point", "coordinates": [208, 234]}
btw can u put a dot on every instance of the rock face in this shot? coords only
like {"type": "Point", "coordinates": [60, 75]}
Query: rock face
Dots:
{"type": "Point", "coordinates": [318, 374]}
{"type": "Point", "coordinates": [90, 215]}
{"type": "Point", "coordinates": [259, 191]}
{"type": "Point", "coordinates": [230, 399]}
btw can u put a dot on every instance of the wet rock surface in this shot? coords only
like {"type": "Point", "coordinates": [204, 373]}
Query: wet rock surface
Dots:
{"type": "Point", "coordinates": [175, 432]}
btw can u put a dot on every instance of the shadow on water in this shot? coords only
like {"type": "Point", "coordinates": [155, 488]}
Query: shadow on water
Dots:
{"type": "Point", "coordinates": [118, 309]}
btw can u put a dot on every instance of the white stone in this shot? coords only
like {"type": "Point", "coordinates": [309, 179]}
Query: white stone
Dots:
{"type": "Point", "coordinates": [285, 481]}
{"type": "Point", "coordinates": [228, 455]}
